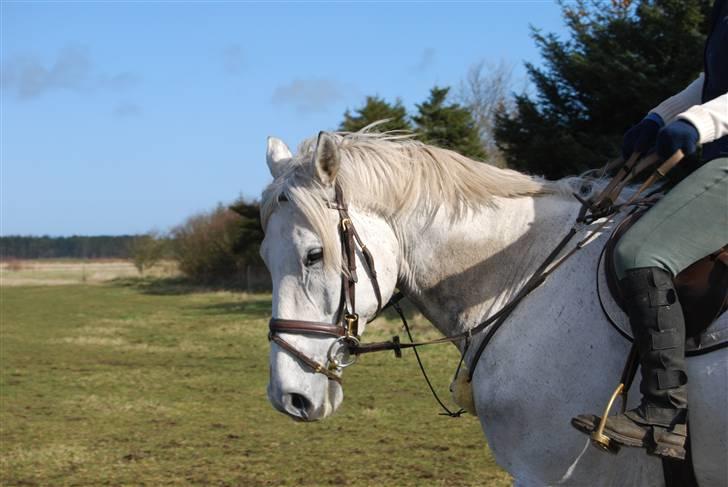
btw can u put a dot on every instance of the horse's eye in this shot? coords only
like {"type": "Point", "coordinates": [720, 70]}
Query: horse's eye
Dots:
{"type": "Point", "coordinates": [314, 256]}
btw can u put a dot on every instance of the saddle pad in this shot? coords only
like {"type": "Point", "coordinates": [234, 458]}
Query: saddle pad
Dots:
{"type": "Point", "coordinates": [712, 338]}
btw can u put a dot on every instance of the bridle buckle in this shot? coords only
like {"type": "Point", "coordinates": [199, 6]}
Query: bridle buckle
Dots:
{"type": "Point", "coordinates": [352, 324]}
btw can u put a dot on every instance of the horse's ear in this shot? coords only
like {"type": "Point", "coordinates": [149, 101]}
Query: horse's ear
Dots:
{"type": "Point", "coordinates": [326, 159]}
{"type": "Point", "coordinates": [278, 156]}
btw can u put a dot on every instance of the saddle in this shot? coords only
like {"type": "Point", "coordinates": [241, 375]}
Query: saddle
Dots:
{"type": "Point", "coordinates": [702, 287]}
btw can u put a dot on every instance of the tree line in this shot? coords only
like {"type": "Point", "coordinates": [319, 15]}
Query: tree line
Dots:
{"type": "Point", "coordinates": [77, 247]}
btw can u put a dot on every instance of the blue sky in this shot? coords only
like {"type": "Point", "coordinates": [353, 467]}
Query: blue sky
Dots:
{"type": "Point", "coordinates": [124, 117]}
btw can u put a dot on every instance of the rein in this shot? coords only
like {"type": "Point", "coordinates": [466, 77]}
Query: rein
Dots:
{"type": "Point", "coordinates": [347, 346]}
{"type": "Point", "coordinates": [603, 207]}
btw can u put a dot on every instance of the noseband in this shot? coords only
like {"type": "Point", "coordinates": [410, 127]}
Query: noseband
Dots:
{"type": "Point", "coordinates": [346, 327]}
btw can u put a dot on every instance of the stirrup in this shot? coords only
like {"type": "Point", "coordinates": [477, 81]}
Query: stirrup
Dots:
{"type": "Point", "coordinates": [598, 438]}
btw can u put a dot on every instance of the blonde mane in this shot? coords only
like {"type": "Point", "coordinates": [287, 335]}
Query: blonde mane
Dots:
{"type": "Point", "coordinates": [397, 178]}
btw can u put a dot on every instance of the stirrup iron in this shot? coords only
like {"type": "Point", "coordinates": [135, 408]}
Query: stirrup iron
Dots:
{"type": "Point", "coordinates": [598, 438]}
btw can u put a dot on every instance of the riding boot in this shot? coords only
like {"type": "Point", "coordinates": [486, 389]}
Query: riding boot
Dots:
{"type": "Point", "coordinates": [660, 422]}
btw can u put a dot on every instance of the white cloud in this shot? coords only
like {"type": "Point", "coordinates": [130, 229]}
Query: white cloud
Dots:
{"type": "Point", "coordinates": [127, 110]}
{"type": "Point", "coordinates": [427, 59]}
{"type": "Point", "coordinates": [233, 59]}
{"type": "Point", "coordinates": [309, 95]}
{"type": "Point", "coordinates": [72, 69]}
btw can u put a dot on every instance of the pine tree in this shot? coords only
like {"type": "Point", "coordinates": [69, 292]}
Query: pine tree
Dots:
{"type": "Point", "coordinates": [248, 240]}
{"type": "Point", "coordinates": [375, 109]}
{"type": "Point", "coordinates": [450, 126]}
{"type": "Point", "coordinates": [621, 60]}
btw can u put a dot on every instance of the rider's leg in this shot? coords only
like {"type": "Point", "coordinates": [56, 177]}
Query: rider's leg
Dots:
{"type": "Point", "coordinates": [689, 223]}
{"type": "Point", "coordinates": [658, 325]}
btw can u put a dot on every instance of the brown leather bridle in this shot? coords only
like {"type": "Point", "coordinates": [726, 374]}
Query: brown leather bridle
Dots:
{"type": "Point", "coordinates": [345, 329]}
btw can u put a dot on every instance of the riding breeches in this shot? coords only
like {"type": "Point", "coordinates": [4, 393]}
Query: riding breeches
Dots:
{"type": "Point", "coordinates": [690, 222]}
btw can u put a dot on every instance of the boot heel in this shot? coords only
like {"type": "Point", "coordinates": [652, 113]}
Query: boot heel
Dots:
{"type": "Point", "coordinates": [669, 443]}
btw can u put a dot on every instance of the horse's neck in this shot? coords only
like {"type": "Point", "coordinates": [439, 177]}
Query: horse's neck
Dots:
{"type": "Point", "coordinates": [459, 273]}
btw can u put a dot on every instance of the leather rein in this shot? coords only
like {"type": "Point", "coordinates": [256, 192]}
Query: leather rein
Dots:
{"type": "Point", "coordinates": [346, 327]}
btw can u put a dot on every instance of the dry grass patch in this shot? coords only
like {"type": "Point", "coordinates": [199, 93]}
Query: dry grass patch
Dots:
{"type": "Point", "coordinates": [39, 461]}
{"type": "Point", "coordinates": [240, 330]}
{"type": "Point", "coordinates": [41, 272]}
{"type": "Point", "coordinates": [125, 345]}
{"type": "Point", "coordinates": [111, 405]}
{"type": "Point", "coordinates": [101, 330]}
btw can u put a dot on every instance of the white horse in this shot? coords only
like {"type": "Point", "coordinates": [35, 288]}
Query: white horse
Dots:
{"type": "Point", "coordinates": [460, 238]}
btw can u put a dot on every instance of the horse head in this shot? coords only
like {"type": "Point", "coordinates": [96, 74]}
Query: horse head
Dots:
{"type": "Point", "coordinates": [323, 277]}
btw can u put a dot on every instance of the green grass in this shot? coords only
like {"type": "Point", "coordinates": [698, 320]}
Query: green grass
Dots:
{"type": "Point", "coordinates": [138, 384]}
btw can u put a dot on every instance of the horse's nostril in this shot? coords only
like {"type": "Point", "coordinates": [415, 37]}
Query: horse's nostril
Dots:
{"type": "Point", "coordinates": [300, 403]}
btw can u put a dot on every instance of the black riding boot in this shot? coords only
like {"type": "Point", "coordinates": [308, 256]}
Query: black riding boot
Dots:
{"type": "Point", "coordinates": [656, 318]}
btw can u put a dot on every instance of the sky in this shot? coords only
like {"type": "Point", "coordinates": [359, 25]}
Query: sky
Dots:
{"type": "Point", "coordinates": [125, 117]}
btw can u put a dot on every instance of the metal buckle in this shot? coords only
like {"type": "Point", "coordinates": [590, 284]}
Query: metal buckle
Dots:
{"type": "Point", "coordinates": [352, 325]}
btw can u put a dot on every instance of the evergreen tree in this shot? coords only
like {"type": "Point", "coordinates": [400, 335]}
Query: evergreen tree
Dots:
{"type": "Point", "coordinates": [375, 109]}
{"type": "Point", "coordinates": [247, 245]}
{"type": "Point", "coordinates": [450, 126]}
{"type": "Point", "coordinates": [622, 59]}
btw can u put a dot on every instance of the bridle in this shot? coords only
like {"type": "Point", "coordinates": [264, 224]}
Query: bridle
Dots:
{"type": "Point", "coordinates": [346, 347]}
{"type": "Point", "coordinates": [346, 326]}
{"type": "Point", "coordinates": [345, 329]}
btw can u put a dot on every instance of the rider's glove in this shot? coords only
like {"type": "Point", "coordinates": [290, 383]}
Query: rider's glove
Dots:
{"type": "Point", "coordinates": [641, 138]}
{"type": "Point", "coordinates": [679, 134]}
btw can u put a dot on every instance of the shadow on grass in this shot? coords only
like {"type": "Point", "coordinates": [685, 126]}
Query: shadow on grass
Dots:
{"type": "Point", "coordinates": [172, 286]}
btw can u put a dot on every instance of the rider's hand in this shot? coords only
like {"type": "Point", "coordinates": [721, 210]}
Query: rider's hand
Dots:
{"type": "Point", "coordinates": [679, 134]}
{"type": "Point", "coordinates": [641, 138]}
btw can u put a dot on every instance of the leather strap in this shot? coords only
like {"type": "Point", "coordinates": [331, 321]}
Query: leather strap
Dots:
{"type": "Point", "coordinates": [315, 366]}
{"type": "Point", "coordinates": [277, 325]}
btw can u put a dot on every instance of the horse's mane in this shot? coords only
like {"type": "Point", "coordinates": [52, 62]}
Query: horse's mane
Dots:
{"type": "Point", "coordinates": [397, 177]}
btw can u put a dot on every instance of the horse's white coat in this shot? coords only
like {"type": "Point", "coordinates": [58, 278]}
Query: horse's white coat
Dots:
{"type": "Point", "coordinates": [555, 358]}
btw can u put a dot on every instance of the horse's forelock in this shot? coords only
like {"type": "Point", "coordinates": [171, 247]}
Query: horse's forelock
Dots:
{"type": "Point", "coordinates": [305, 194]}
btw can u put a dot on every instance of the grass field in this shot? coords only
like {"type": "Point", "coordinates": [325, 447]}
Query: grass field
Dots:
{"type": "Point", "coordinates": [135, 382]}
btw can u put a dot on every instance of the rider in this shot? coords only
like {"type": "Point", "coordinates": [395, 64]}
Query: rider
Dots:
{"type": "Point", "coordinates": [691, 221]}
